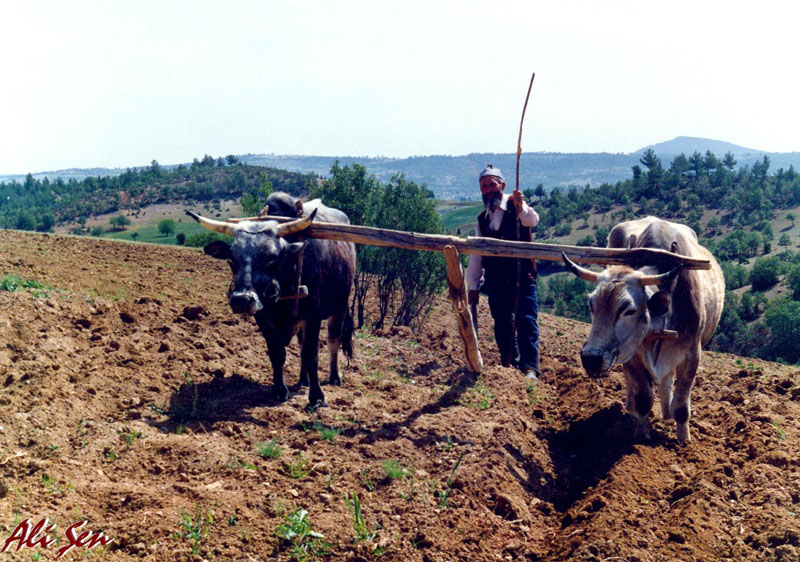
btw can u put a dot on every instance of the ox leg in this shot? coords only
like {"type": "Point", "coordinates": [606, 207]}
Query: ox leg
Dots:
{"type": "Point", "coordinates": [277, 357]}
{"type": "Point", "coordinates": [639, 398]}
{"type": "Point", "coordinates": [310, 359]}
{"type": "Point", "coordinates": [335, 324]}
{"type": "Point", "coordinates": [665, 394]}
{"type": "Point", "coordinates": [303, 381]}
{"type": "Point", "coordinates": [681, 405]}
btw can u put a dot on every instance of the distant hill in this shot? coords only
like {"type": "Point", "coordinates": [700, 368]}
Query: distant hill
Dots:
{"type": "Point", "coordinates": [453, 177]}
{"type": "Point", "coordinates": [690, 145]}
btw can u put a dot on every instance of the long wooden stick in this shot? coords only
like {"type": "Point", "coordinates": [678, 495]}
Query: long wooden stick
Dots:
{"type": "Point", "coordinates": [492, 247]}
{"type": "Point", "coordinates": [518, 225]}
{"type": "Point", "coordinates": [521, 121]}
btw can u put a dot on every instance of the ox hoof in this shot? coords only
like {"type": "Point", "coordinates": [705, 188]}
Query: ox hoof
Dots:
{"type": "Point", "coordinates": [642, 432]}
{"type": "Point", "coordinates": [314, 406]}
{"type": "Point", "coordinates": [335, 382]}
{"type": "Point", "coordinates": [281, 394]}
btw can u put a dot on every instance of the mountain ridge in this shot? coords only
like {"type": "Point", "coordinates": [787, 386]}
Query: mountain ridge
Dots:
{"type": "Point", "coordinates": [450, 177]}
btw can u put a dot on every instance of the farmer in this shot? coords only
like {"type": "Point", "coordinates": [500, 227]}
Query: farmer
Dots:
{"type": "Point", "coordinates": [498, 220]}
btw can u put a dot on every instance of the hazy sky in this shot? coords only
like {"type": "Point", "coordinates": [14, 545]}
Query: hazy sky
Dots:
{"type": "Point", "coordinates": [115, 84]}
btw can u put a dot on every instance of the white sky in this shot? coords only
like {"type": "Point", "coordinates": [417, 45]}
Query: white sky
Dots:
{"type": "Point", "coordinates": [115, 83]}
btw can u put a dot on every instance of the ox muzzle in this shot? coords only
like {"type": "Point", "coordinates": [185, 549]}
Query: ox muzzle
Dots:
{"type": "Point", "coordinates": [597, 362]}
{"type": "Point", "coordinates": [247, 301]}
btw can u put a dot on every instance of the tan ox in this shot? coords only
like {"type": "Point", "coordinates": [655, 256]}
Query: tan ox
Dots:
{"type": "Point", "coordinates": [629, 305]}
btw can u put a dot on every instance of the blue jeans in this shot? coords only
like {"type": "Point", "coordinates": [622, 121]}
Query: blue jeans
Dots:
{"type": "Point", "coordinates": [521, 351]}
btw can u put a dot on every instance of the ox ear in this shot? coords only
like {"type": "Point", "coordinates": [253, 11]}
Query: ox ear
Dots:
{"type": "Point", "coordinates": [658, 305]}
{"type": "Point", "coordinates": [219, 250]}
{"type": "Point", "coordinates": [294, 248]}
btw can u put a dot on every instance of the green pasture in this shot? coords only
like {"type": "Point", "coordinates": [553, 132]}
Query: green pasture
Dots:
{"type": "Point", "coordinates": [150, 233]}
{"type": "Point", "coordinates": [462, 215]}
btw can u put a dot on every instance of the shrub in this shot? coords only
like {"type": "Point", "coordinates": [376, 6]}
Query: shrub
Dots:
{"type": "Point", "coordinates": [765, 273]}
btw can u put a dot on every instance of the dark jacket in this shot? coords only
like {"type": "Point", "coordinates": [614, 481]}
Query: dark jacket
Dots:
{"type": "Point", "coordinates": [502, 272]}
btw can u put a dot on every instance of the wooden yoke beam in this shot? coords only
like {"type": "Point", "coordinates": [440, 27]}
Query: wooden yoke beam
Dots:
{"type": "Point", "coordinates": [458, 296]}
{"type": "Point", "coordinates": [635, 257]}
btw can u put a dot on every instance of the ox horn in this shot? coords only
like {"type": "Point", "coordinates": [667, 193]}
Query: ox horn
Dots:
{"type": "Point", "coordinates": [583, 273]}
{"type": "Point", "coordinates": [216, 226]}
{"type": "Point", "coordinates": [663, 278]}
{"type": "Point", "coordinates": [288, 228]}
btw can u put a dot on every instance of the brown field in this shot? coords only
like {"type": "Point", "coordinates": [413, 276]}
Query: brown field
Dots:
{"type": "Point", "coordinates": [133, 399]}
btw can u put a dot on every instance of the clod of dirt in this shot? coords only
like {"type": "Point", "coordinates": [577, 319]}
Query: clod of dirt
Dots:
{"type": "Point", "coordinates": [510, 507]}
{"type": "Point", "coordinates": [193, 312]}
{"type": "Point", "coordinates": [126, 318]}
{"type": "Point", "coordinates": [778, 458]}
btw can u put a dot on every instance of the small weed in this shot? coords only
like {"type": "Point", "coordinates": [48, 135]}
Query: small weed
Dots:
{"type": "Point", "coordinates": [233, 519]}
{"type": "Point", "coordinates": [53, 486]}
{"type": "Point", "coordinates": [443, 497]}
{"type": "Point", "coordinates": [236, 464]}
{"type": "Point", "coordinates": [13, 283]}
{"type": "Point", "coordinates": [326, 433]}
{"type": "Point", "coordinates": [182, 412]}
{"type": "Point", "coordinates": [297, 533]}
{"type": "Point", "coordinates": [365, 480]}
{"type": "Point", "coordinates": [349, 420]}
{"type": "Point", "coordinates": [111, 454]}
{"type": "Point", "coordinates": [298, 469]}
{"type": "Point", "coordinates": [394, 470]}
{"type": "Point", "coordinates": [51, 449]}
{"type": "Point", "coordinates": [129, 436]}
{"type": "Point", "coordinates": [195, 529]}
{"type": "Point", "coordinates": [49, 483]}
{"type": "Point", "coordinates": [534, 394]}
{"type": "Point", "coordinates": [404, 373]}
{"type": "Point", "coordinates": [268, 449]}
{"type": "Point", "coordinates": [781, 433]}
{"type": "Point", "coordinates": [479, 396]}
{"type": "Point", "coordinates": [363, 531]}
{"type": "Point", "coordinates": [445, 445]}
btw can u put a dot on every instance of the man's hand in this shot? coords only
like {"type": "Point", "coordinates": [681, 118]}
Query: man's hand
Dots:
{"type": "Point", "coordinates": [473, 297]}
{"type": "Point", "coordinates": [518, 199]}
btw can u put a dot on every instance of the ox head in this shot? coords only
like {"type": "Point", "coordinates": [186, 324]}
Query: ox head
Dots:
{"type": "Point", "coordinates": [623, 307]}
{"type": "Point", "coordinates": [257, 256]}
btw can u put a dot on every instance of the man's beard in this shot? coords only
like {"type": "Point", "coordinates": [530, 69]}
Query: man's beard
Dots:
{"type": "Point", "coordinates": [492, 201]}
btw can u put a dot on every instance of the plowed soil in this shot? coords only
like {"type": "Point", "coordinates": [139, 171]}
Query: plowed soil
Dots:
{"type": "Point", "coordinates": [132, 398]}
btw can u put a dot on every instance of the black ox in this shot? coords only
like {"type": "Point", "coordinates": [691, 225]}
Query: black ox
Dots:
{"type": "Point", "coordinates": [264, 261]}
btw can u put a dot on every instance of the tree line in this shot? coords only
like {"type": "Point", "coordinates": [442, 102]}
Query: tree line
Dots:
{"type": "Point", "coordinates": [41, 204]}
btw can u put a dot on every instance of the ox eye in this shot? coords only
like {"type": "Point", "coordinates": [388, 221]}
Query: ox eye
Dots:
{"type": "Point", "coordinates": [629, 312]}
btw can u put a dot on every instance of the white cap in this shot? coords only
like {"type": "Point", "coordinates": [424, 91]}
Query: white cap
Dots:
{"type": "Point", "coordinates": [490, 170]}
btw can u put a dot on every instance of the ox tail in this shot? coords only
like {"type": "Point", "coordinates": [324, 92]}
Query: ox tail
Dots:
{"type": "Point", "coordinates": [347, 336]}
